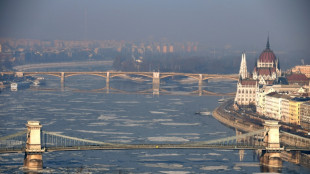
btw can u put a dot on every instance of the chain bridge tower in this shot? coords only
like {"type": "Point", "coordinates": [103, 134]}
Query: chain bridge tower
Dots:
{"type": "Point", "coordinates": [33, 152]}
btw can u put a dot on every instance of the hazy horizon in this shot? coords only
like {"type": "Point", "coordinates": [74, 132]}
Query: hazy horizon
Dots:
{"type": "Point", "coordinates": [237, 25]}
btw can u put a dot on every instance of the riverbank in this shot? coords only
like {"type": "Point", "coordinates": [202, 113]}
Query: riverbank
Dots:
{"type": "Point", "coordinates": [235, 122]}
{"type": "Point", "coordinates": [246, 122]}
{"type": "Point", "coordinates": [226, 114]}
{"type": "Point", "coordinates": [229, 117]}
{"type": "Point", "coordinates": [62, 64]}
{"type": "Point", "coordinates": [223, 113]}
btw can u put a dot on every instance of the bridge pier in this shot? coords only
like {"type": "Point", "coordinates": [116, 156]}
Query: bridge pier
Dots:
{"type": "Point", "coordinates": [107, 82]}
{"type": "Point", "coordinates": [62, 80]}
{"type": "Point", "coordinates": [271, 162]}
{"type": "Point", "coordinates": [272, 139]}
{"type": "Point", "coordinates": [241, 151]}
{"type": "Point", "coordinates": [156, 83]}
{"type": "Point", "coordinates": [200, 84]}
{"type": "Point", "coordinates": [33, 152]}
{"type": "Point", "coordinates": [108, 77]}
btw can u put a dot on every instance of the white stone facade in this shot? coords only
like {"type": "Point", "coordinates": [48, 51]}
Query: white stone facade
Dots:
{"type": "Point", "coordinates": [285, 112]}
{"type": "Point", "coordinates": [246, 93]}
{"type": "Point", "coordinates": [282, 89]}
{"type": "Point", "coordinates": [305, 114]}
{"type": "Point", "coordinates": [273, 107]}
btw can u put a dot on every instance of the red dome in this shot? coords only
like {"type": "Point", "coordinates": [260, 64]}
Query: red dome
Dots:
{"type": "Point", "coordinates": [267, 56]}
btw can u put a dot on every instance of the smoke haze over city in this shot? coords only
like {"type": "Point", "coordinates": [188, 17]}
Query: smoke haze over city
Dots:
{"type": "Point", "coordinates": [237, 25]}
{"type": "Point", "coordinates": [155, 86]}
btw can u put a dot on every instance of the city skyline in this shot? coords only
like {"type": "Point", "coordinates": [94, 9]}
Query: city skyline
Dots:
{"type": "Point", "coordinates": [136, 86]}
{"type": "Point", "coordinates": [238, 25]}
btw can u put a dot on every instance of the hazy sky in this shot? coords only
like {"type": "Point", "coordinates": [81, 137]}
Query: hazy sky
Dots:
{"type": "Point", "coordinates": [241, 24]}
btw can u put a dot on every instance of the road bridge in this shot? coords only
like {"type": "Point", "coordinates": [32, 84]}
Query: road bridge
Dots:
{"type": "Point", "coordinates": [34, 142]}
{"type": "Point", "coordinates": [155, 76]}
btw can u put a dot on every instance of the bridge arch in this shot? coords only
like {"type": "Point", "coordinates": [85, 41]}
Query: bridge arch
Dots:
{"type": "Point", "coordinates": [122, 74]}
{"type": "Point", "coordinates": [90, 74]}
{"type": "Point", "coordinates": [218, 94]}
{"type": "Point", "coordinates": [55, 74]}
{"type": "Point", "coordinates": [167, 74]}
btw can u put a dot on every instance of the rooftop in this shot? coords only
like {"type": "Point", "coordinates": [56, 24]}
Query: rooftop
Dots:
{"type": "Point", "coordinates": [301, 99]}
{"type": "Point", "coordinates": [297, 77]}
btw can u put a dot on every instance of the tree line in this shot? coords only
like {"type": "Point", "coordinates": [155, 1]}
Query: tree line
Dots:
{"type": "Point", "coordinates": [175, 63]}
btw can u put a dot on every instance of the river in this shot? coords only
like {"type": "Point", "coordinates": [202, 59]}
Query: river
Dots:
{"type": "Point", "coordinates": [125, 118]}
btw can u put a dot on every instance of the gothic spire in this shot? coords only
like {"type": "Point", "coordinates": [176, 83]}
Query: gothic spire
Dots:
{"type": "Point", "coordinates": [243, 72]}
{"type": "Point", "coordinates": [268, 45]}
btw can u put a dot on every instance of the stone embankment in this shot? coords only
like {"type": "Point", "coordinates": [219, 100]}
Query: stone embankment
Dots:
{"type": "Point", "coordinates": [226, 115]}
{"type": "Point", "coordinates": [235, 122]}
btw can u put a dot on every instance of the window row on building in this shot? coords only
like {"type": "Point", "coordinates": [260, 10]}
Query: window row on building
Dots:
{"type": "Point", "coordinates": [286, 108]}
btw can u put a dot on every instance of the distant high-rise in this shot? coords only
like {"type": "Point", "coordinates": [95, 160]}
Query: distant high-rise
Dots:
{"type": "Point", "coordinates": [195, 48]}
{"type": "Point", "coordinates": [119, 49]}
{"type": "Point", "coordinates": [189, 48]}
{"type": "Point", "coordinates": [165, 49]}
{"type": "Point", "coordinates": [171, 49]}
{"type": "Point", "coordinates": [96, 50]}
{"type": "Point", "coordinates": [158, 48]}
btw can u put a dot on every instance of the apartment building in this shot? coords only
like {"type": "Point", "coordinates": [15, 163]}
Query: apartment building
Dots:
{"type": "Point", "coordinates": [273, 105]}
{"type": "Point", "coordinates": [305, 115]}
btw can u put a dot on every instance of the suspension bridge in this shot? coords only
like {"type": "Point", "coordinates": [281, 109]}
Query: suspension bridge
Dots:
{"type": "Point", "coordinates": [56, 142]}
{"type": "Point", "coordinates": [34, 142]}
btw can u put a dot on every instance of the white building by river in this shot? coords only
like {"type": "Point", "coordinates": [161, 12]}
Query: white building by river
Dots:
{"type": "Point", "coordinates": [265, 72]}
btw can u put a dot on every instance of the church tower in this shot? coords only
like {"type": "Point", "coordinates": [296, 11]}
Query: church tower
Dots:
{"type": "Point", "coordinates": [246, 87]}
{"type": "Point", "coordinates": [243, 72]}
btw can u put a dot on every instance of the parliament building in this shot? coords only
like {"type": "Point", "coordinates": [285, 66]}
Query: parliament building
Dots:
{"type": "Point", "coordinates": [266, 71]}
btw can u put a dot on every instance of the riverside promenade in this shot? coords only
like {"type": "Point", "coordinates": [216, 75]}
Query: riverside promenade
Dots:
{"type": "Point", "coordinates": [226, 115]}
{"type": "Point", "coordinates": [226, 110]}
{"type": "Point", "coordinates": [245, 122]}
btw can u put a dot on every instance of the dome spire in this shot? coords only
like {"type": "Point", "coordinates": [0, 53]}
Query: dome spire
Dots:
{"type": "Point", "coordinates": [268, 45]}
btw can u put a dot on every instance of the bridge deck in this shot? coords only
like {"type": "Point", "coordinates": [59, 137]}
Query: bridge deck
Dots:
{"type": "Point", "coordinates": [132, 147]}
{"type": "Point", "coordinates": [152, 146]}
{"type": "Point", "coordinates": [118, 73]}
{"type": "Point", "coordinates": [56, 142]}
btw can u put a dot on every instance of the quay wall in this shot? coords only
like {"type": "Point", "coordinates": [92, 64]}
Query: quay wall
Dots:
{"type": "Point", "coordinates": [235, 122]}
{"type": "Point", "coordinates": [246, 126]}
{"type": "Point", "coordinates": [242, 124]}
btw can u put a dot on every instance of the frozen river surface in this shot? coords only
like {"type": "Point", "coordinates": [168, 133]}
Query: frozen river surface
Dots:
{"type": "Point", "coordinates": [125, 118]}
